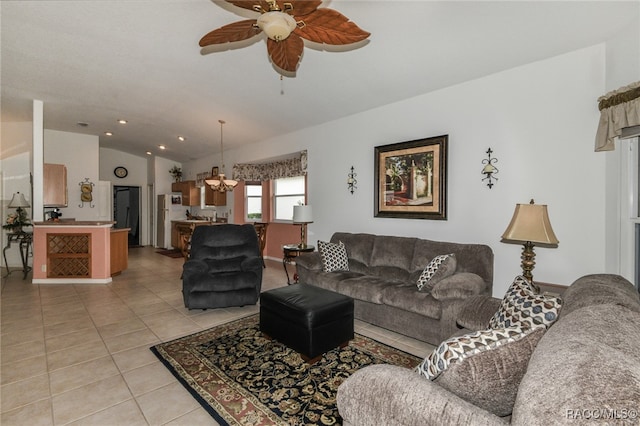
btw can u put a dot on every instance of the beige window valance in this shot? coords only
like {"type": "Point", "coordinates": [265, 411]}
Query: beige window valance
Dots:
{"type": "Point", "coordinates": [291, 167]}
{"type": "Point", "coordinates": [618, 109]}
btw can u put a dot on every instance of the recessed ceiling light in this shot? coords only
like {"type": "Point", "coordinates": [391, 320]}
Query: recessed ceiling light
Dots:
{"type": "Point", "coordinates": [162, 147]}
{"type": "Point", "coordinates": [181, 138]}
{"type": "Point", "coordinates": [108, 133]}
{"type": "Point", "coordinates": [148, 152]}
{"type": "Point", "coordinates": [122, 121]}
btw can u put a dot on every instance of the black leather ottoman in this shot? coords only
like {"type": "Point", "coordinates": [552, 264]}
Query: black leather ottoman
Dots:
{"type": "Point", "coordinates": [306, 318]}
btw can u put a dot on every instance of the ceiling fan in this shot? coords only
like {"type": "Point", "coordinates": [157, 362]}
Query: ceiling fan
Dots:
{"type": "Point", "coordinates": [286, 24]}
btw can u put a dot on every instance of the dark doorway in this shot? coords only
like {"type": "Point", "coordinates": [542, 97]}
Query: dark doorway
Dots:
{"type": "Point", "coordinates": [126, 211]}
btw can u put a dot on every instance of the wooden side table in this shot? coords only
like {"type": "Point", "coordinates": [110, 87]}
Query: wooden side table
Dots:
{"type": "Point", "coordinates": [291, 251]}
{"type": "Point", "coordinates": [23, 239]}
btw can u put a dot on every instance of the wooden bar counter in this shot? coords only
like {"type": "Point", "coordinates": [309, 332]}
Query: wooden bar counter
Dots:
{"type": "Point", "coordinates": [74, 252]}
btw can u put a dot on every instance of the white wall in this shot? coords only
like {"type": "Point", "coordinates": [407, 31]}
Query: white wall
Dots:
{"type": "Point", "coordinates": [163, 179]}
{"type": "Point", "coordinates": [137, 176]}
{"type": "Point", "coordinates": [540, 121]}
{"type": "Point", "coordinates": [80, 153]}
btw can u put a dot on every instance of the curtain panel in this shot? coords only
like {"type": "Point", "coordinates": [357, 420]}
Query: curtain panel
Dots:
{"type": "Point", "coordinates": [618, 109]}
{"type": "Point", "coordinates": [291, 167]}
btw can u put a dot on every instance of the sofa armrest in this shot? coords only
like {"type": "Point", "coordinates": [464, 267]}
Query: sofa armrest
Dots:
{"type": "Point", "coordinates": [391, 395]}
{"type": "Point", "coordinates": [194, 266]}
{"type": "Point", "coordinates": [477, 311]}
{"type": "Point", "coordinates": [458, 286]}
{"type": "Point", "coordinates": [251, 264]}
{"type": "Point", "coordinates": [310, 261]}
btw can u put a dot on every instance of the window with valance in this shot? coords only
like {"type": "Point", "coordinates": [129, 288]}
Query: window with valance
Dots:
{"type": "Point", "coordinates": [290, 167]}
{"type": "Point", "coordinates": [619, 109]}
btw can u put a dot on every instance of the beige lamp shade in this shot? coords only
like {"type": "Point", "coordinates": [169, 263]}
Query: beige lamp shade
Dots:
{"type": "Point", "coordinates": [530, 223]}
{"type": "Point", "coordinates": [18, 200]}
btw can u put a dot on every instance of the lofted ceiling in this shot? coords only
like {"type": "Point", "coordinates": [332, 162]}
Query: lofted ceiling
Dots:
{"type": "Point", "coordinates": [95, 61]}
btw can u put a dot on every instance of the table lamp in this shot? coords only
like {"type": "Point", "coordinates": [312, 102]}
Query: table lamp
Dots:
{"type": "Point", "coordinates": [18, 202]}
{"type": "Point", "coordinates": [302, 215]}
{"type": "Point", "coordinates": [530, 225]}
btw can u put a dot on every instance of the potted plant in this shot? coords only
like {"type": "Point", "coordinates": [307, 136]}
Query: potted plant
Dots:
{"type": "Point", "coordinates": [15, 221]}
{"type": "Point", "coordinates": [176, 173]}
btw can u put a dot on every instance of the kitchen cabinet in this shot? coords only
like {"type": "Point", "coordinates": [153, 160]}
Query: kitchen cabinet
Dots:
{"type": "Point", "coordinates": [190, 192]}
{"type": "Point", "coordinates": [70, 251]}
{"type": "Point", "coordinates": [55, 185]}
{"type": "Point", "coordinates": [214, 198]}
{"type": "Point", "coordinates": [119, 250]}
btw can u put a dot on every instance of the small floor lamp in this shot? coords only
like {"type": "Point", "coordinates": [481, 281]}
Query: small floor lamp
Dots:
{"type": "Point", "coordinates": [530, 225]}
{"type": "Point", "coordinates": [302, 215]}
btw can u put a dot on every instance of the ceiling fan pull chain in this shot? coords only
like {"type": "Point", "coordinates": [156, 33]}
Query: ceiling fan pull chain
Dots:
{"type": "Point", "coordinates": [281, 85]}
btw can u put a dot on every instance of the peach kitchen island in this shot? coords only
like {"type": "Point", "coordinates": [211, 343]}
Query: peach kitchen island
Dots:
{"type": "Point", "coordinates": [77, 252]}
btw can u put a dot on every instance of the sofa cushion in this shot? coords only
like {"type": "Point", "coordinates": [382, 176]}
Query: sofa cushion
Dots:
{"type": "Point", "coordinates": [600, 289]}
{"type": "Point", "coordinates": [359, 246]}
{"type": "Point", "coordinates": [588, 363]}
{"type": "Point", "coordinates": [366, 288]}
{"type": "Point", "coordinates": [408, 298]}
{"type": "Point", "coordinates": [334, 256]}
{"type": "Point", "coordinates": [477, 311]}
{"type": "Point", "coordinates": [330, 280]}
{"type": "Point", "coordinates": [522, 306]}
{"type": "Point", "coordinates": [458, 286]}
{"type": "Point", "coordinates": [393, 251]}
{"type": "Point", "coordinates": [490, 379]}
{"type": "Point", "coordinates": [440, 267]}
{"type": "Point", "coordinates": [484, 367]}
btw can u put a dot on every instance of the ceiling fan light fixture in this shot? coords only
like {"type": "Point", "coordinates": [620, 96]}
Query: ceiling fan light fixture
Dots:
{"type": "Point", "coordinates": [276, 25]}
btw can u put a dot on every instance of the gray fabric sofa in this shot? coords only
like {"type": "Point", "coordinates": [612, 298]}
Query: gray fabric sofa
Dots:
{"type": "Point", "coordinates": [584, 369]}
{"type": "Point", "coordinates": [382, 276]}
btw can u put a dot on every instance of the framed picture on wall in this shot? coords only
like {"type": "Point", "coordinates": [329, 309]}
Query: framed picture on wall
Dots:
{"type": "Point", "coordinates": [214, 171]}
{"type": "Point", "coordinates": [200, 177]}
{"type": "Point", "coordinates": [411, 179]}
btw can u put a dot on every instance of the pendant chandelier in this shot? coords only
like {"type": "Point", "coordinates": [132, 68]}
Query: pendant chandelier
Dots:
{"type": "Point", "coordinates": [219, 183]}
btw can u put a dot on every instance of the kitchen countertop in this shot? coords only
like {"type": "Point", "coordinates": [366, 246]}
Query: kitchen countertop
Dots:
{"type": "Point", "coordinates": [75, 223]}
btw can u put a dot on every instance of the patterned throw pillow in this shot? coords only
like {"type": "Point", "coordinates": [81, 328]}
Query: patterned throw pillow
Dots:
{"type": "Point", "coordinates": [334, 256]}
{"type": "Point", "coordinates": [456, 349]}
{"type": "Point", "coordinates": [522, 306]}
{"type": "Point", "coordinates": [485, 367]}
{"type": "Point", "coordinates": [440, 267]}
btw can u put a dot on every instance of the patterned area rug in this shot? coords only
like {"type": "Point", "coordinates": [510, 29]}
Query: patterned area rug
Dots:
{"type": "Point", "coordinates": [242, 378]}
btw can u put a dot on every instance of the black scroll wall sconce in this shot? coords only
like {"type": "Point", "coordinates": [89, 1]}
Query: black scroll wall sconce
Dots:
{"type": "Point", "coordinates": [489, 170]}
{"type": "Point", "coordinates": [351, 180]}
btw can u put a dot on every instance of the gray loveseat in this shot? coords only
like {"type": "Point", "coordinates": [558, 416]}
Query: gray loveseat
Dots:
{"type": "Point", "coordinates": [584, 369]}
{"type": "Point", "coordinates": [382, 276]}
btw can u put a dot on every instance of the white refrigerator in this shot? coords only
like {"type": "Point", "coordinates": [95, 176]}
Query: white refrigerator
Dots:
{"type": "Point", "coordinates": [169, 207]}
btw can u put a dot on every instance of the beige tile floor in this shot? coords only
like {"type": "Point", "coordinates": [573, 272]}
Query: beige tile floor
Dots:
{"type": "Point", "coordinates": [79, 354]}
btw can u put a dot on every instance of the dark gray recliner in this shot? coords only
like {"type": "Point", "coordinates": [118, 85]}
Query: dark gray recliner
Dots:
{"type": "Point", "coordinates": [224, 268]}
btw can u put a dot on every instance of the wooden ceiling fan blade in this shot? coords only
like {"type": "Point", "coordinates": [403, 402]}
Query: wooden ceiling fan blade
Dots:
{"type": "Point", "coordinates": [303, 7]}
{"type": "Point", "coordinates": [286, 54]}
{"type": "Point", "coordinates": [330, 27]}
{"type": "Point", "coordinates": [237, 31]}
{"type": "Point", "coordinates": [249, 4]}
